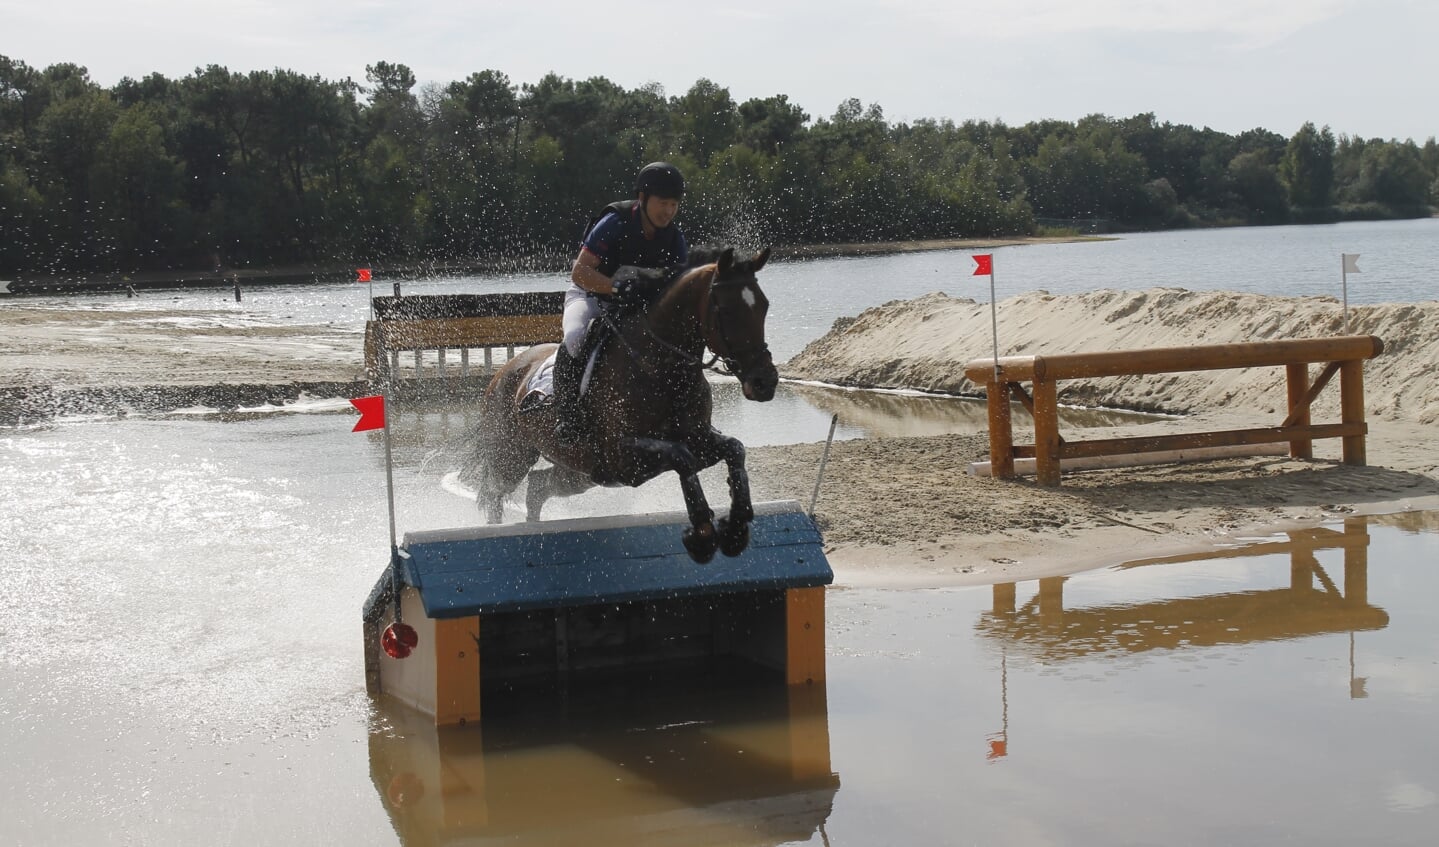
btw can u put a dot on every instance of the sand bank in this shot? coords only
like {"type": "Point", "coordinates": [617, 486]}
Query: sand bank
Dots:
{"type": "Point", "coordinates": [910, 499]}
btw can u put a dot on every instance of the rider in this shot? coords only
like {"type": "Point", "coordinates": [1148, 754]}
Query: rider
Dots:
{"type": "Point", "coordinates": [640, 233]}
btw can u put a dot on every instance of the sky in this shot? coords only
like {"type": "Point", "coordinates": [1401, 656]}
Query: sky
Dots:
{"type": "Point", "coordinates": [1362, 67]}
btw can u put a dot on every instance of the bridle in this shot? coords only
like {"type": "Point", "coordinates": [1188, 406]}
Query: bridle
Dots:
{"type": "Point", "coordinates": [734, 363]}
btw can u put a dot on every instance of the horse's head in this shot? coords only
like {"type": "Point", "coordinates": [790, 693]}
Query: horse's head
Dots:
{"type": "Point", "coordinates": [734, 324]}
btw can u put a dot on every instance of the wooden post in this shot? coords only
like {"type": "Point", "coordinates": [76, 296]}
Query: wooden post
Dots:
{"type": "Point", "coordinates": [1004, 598]}
{"type": "Point", "coordinates": [1046, 431]}
{"type": "Point", "coordinates": [808, 732]}
{"type": "Point", "coordinates": [489, 358]}
{"type": "Point", "coordinates": [1297, 380]}
{"type": "Point", "coordinates": [1051, 597]}
{"type": "Point", "coordinates": [1302, 563]}
{"type": "Point", "coordinates": [1351, 404]}
{"type": "Point", "coordinates": [1356, 563]}
{"type": "Point", "coordinates": [464, 362]}
{"type": "Point", "coordinates": [440, 363]}
{"type": "Point", "coordinates": [804, 635]}
{"type": "Point", "coordinates": [1001, 433]}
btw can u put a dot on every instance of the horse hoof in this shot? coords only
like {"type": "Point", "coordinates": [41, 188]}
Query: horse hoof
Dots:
{"type": "Point", "coordinates": [702, 544]}
{"type": "Point", "coordinates": [733, 537]}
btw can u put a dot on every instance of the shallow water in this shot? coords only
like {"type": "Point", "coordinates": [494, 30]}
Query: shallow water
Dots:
{"type": "Point", "coordinates": [183, 665]}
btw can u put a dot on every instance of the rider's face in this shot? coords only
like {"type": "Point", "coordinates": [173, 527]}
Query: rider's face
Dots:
{"type": "Point", "coordinates": [661, 210]}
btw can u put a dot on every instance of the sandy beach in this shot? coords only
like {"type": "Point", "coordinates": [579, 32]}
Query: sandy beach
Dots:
{"type": "Point", "coordinates": [895, 511]}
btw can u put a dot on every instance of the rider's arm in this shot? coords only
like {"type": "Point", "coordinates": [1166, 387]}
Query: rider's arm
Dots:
{"type": "Point", "coordinates": [586, 274]}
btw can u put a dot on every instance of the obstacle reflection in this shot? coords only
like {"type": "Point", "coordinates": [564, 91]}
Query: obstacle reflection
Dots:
{"type": "Point", "coordinates": [1312, 604]}
{"type": "Point", "coordinates": [627, 764]}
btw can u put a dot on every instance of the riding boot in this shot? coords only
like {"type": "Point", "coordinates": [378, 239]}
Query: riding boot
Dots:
{"type": "Point", "coordinates": [569, 420]}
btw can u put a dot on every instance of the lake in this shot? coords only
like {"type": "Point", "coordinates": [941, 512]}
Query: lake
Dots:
{"type": "Point", "coordinates": [183, 661]}
{"type": "Point", "coordinates": [1399, 262]}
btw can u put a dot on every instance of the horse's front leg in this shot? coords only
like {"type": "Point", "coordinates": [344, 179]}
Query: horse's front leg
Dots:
{"type": "Point", "coordinates": [733, 528]}
{"type": "Point", "coordinates": [701, 539]}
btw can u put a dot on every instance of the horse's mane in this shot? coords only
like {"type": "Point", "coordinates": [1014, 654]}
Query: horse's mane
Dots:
{"type": "Point", "coordinates": [706, 254]}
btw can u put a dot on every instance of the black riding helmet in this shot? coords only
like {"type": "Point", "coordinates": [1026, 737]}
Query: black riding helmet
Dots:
{"type": "Point", "coordinates": [660, 179]}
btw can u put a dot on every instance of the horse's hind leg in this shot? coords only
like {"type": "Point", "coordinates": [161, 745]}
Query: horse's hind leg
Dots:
{"type": "Point", "coordinates": [552, 482]}
{"type": "Point", "coordinates": [502, 468]}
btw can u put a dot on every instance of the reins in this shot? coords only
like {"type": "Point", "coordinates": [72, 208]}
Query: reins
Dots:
{"type": "Point", "coordinates": [683, 356]}
{"type": "Point", "coordinates": [730, 363]}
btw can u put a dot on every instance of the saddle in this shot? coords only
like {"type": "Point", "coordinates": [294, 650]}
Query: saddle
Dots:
{"type": "Point", "coordinates": [539, 388]}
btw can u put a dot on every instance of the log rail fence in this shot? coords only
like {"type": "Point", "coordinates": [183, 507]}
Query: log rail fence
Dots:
{"type": "Point", "coordinates": [1343, 355]}
{"type": "Point", "coordinates": [439, 324]}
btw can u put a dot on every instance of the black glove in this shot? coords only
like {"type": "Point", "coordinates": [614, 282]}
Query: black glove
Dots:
{"type": "Point", "coordinates": [633, 289]}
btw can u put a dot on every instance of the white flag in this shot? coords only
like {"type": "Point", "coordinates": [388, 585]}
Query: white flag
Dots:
{"type": "Point", "coordinates": [4, 286]}
{"type": "Point", "coordinates": [1351, 263]}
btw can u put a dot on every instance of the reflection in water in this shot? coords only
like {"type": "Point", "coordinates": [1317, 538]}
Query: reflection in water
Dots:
{"type": "Point", "coordinates": [1311, 604]}
{"type": "Point", "coordinates": [655, 762]}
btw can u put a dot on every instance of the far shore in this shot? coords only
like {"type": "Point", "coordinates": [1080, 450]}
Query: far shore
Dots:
{"type": "Point", "coordinates": [387, 274]}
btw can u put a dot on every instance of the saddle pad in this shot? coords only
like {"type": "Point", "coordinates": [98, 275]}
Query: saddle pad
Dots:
{"type": "Point", "coordinates": [542, 381]}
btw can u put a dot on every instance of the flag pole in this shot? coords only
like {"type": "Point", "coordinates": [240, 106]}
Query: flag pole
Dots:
{"type": "Point", "coordinates": [1344, 275]}
{"type": "Point", "coordinates": [390, 479]}
{"type": "Point", "coordinates": [994, 321]}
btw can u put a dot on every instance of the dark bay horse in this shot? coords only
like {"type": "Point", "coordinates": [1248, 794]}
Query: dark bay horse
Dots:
{"type": "Point", "coordinates": [650, 403]}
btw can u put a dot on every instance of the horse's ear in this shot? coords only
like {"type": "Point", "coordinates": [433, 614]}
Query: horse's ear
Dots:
{"type": "Point", "coordinates": [758, 261]}
{"type": "Point", "coordinates": [726, 260]}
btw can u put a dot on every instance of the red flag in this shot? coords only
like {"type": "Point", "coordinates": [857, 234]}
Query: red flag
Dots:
{"type": "Point", "coordinates": [364, 274]}
{"type": "Point", "coordinates": [986, 264]}
{"type": "Point", "coordinates": [372, 412]}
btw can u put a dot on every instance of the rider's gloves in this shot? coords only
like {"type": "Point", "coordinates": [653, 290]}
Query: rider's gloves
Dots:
{"type": "Point", "coordinates": [633, 289]}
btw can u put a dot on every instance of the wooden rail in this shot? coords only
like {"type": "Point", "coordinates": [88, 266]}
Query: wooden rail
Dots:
{"type": "Point", "coordinates": [463, 322]}
{"type": "Point", "coordinates": [1344, 355]}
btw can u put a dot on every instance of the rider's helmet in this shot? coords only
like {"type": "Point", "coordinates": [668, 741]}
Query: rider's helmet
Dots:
{"type": "Point", "coordinates": [660, 179]}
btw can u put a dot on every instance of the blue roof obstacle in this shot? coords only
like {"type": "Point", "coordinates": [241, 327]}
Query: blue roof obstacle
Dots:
{"type": "Point", "coordinates": [554, 599]}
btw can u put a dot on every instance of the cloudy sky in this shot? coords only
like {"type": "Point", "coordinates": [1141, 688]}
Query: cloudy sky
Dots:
{"type": "Point", "coordinates": [1363, 67]}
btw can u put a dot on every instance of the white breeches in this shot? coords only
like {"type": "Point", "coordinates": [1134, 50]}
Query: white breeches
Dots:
{"type": "Point", "coordinates": [580, 308]}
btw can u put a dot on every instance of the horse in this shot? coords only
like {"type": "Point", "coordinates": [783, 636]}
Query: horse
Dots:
{"type": "Point", "coordinates": [649, 402]}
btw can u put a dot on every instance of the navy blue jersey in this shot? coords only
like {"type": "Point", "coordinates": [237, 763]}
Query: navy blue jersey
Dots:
{"type": "Point", "coordinates": [618, 238]}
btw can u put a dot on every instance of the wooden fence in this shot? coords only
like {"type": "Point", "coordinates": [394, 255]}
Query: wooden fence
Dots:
{"type": "Point", "coordinates": [1343, 355]}
{"type": "Point", "coordinates": [460, 323]}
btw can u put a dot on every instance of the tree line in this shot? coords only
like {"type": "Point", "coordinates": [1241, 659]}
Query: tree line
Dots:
{"type": "Point", "coordinates": [275, 167]}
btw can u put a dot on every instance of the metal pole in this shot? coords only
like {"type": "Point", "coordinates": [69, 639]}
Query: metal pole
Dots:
{"type": "Point", "coordinates": [824, 460]}
{"type": "Point", "coordinates": [390, 476]}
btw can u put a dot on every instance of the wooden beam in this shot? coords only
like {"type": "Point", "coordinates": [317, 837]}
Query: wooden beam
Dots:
{"type": "Point", "coordinates": [1175, 359]}
{"type": "Point", "coordinates": [1192, 440]}
{"type": "Point", "coordinates": [469, 332]}
{"type": "Point", "coordinates": [1026, 467]}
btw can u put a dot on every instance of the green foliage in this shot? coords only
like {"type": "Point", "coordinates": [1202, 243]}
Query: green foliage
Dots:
{"type": "Point", "coordinates": [271, 167]}
{"type": "Point", "coordinates": [1308, 167]}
